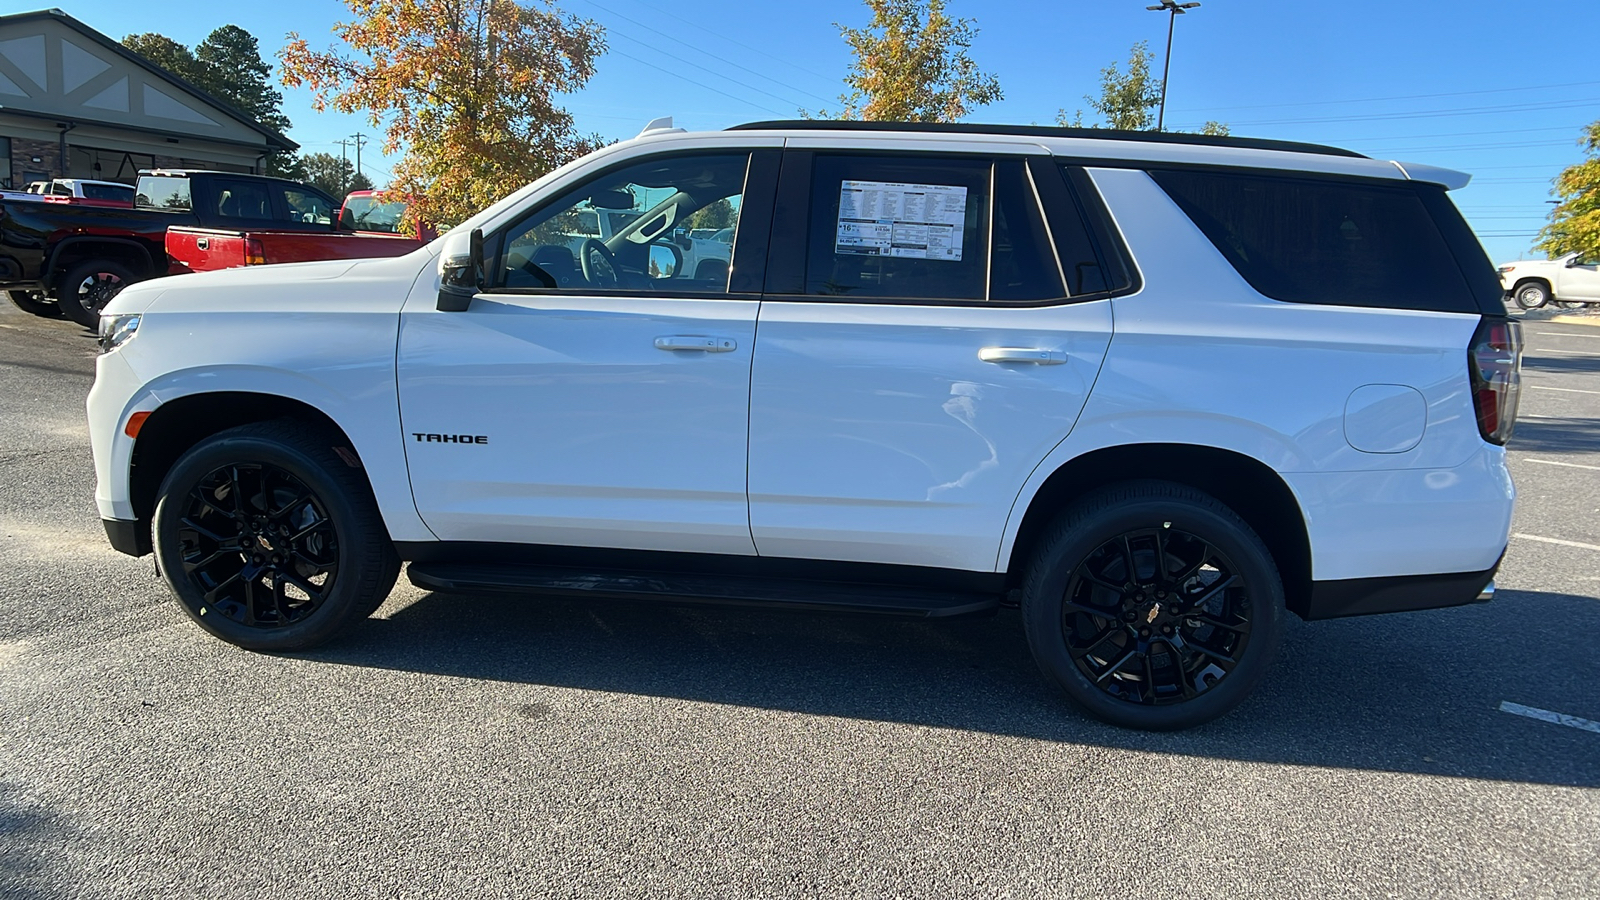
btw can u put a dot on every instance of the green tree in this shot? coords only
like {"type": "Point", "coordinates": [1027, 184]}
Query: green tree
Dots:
{"type": "Point", "coordinates": [1128, 100]}
{"type": "Point", "coordinates": [333, 174]}
{"type": "Point", "coordinates": [228, 66]}
{"type": "Point", "coordinates": [911, 65]}
{"type": "Point", "coordinates": [718, 215]}
{"type": "Point", "coordinates": [468, 89]}
{"type": "Point", "coordinates": [1575, 220]}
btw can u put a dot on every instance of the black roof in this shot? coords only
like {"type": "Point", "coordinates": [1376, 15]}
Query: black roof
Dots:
{"type": "Point", "coordinates": [1099, 134]}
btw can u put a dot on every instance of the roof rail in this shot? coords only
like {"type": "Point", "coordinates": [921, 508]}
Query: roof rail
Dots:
{"type": "Point", "coordinates": [1099, 134]}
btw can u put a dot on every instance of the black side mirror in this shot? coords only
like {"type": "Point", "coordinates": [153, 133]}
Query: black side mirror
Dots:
{"type": "Point", "coordinates": [463, 276]}
{"type": "Point", "coordinates": [347, 219]}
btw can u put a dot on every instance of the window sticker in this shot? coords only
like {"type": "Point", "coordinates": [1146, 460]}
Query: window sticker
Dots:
{"type": "Point", "coordinates": [886, 218]}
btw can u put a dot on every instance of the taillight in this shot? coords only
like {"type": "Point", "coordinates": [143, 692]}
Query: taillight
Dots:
{"type": "Point", "coordinates": [1495, 363]}
{"type": "Point", "coordinates": [254, 253]}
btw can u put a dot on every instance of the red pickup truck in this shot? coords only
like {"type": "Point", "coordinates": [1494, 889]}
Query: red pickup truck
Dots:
{"type": "Point", "coordinates": [271, 211]}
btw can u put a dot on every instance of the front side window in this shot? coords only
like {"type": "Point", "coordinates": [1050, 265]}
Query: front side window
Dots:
{"type": "Point", "coordinates": [308, 208]}
{"type": "Point", "coordinates": [633, 230]}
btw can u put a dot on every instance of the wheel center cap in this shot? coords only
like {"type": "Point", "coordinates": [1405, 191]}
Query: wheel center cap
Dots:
{"type": "Point", "coordinates": [1155, 610]}
{"type": "Point", "coordinates": [263, 543]}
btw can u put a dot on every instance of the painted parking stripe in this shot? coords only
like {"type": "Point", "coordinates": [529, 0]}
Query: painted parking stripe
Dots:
{"type": "Point", "coordinates": [1544, 540]}
{"type": "Point", "coordinates": [1545, 715]}
{"type": "Point", "coordinates": [1540, 387]}
{"type": "Point", "coordinates": [1552, 462]}
{"type": "Point", "coordinates": [1567, 334]}
{"type": "Point", "coordinates": [1554, 350]}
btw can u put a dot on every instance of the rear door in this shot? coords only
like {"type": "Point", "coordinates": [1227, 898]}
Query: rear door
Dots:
{"type": "Point", "coordinates": [924, 341]}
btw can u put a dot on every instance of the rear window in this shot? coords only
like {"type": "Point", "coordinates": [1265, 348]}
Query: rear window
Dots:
{"type": "Point", "coordinates": [107, 192]}
{"type": "Point", "coordinates": [163, 193]}
{"type": "Point", "coordinates": [1339, 243]}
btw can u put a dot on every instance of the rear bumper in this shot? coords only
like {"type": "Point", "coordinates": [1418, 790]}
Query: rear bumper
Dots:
{"type": "Point", "coordinates": [1401, 593]}
{"type": "Point", "coordinates": [132, 538]}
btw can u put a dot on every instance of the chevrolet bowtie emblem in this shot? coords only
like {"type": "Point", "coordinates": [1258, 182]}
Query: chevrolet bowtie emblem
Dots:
{"type": "Point", "coordinates": [1154, 611]}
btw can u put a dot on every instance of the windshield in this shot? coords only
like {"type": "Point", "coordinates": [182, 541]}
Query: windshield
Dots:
{"type": "Point", "coordinates": [370, 215]}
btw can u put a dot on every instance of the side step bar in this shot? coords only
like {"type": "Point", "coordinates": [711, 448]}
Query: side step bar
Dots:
{"type": "Point", "coordinates": [735, 590]}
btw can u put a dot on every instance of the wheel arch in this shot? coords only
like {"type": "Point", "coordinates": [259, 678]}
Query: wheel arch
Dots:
{"type": "Point", "coordinates": [74, 250]}
{"type": "Point", "coordinates": [1246, 485]}
{"type": "Point", "coordinates": [1540, 279]}
{"type": "Point", "coordinates": [179, 424]}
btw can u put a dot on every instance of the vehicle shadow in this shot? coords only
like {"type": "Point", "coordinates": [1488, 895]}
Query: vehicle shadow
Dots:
{"type": "Point", "coordinates": [1569, 364]}
{"type": "Point", "coordinates": [30, 842]}
{"type": "Point", "coordinates": [1414, 692]}
{"type": "Point", "coordinates": [1557, 435]}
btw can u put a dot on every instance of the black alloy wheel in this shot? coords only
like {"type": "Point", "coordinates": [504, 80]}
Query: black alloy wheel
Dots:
{"type": "Point", "coordinates": [1153, 606]}
{"type": "Point", "coordinates": [269, 540]}
{"type": "Point", "coordinates": [86, 289]}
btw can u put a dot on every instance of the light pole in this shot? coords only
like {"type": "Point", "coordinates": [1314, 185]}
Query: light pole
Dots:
{"type": "Point", "coordinates": [1176, 9]}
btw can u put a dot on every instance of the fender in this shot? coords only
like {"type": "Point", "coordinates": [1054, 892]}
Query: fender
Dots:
{"type": "Point", "coordinates": [64, 243]}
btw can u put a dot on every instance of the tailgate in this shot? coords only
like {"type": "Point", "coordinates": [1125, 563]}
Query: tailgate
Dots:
{"type": "Point", "coordinates": [292, 246]}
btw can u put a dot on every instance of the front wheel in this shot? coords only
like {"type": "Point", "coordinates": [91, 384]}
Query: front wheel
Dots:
{"type": "Point", "coordinates": [1153, 606]}
{"type": "Point", "coordinates": [269, 540]}
{"type": "Point", "coordinates": [1531, 295]}
{"type": "Point", "coordinates": [88, 287]}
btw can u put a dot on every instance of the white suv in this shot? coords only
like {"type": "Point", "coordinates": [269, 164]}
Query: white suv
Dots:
{"type": "Point", "coordinates": [1154, 389]}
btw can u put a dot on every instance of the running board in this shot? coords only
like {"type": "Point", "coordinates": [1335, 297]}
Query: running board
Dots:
{"type": "Point", "coordinates": [737, 590]}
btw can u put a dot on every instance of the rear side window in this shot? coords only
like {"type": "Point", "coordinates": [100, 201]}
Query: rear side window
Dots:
{"type": "Point", "coordinates": [107, 192]}
{"type": "Point", "coordinates": [1330, 242]}
{"type": "Point", "coordinates": [899, 227]}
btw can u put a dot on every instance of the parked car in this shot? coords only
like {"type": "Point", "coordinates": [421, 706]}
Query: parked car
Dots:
{"type": "Point", "coordinates": [81, 255]}
{"type": "Point", "coordinates": [86, 190]}
{"type": "Point", "coordinates": [1571, 280]}
{"type": "Point", "coordinates": [1156, 390]}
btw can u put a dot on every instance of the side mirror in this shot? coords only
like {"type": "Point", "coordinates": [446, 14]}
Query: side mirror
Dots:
{"type": "Point", "coordinates": [1573, 260]}
{"type": "Point", "coordinates": [461, 275]}
{"type": "Point", "coordinates": [347, 219]}
{"type": "Point", "coordinates": [666, 260]}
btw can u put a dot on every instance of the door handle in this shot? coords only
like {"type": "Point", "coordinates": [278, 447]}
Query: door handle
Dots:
{"type": "Point", "coordinates": [696, 342]}
{"type": "Point", "coordinates": [1035, 355]}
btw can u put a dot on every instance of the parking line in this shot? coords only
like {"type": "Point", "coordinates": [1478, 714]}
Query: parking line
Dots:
{"type": "Point", "coordinates": [1565, 334]}
{"type": "Point", "coordinates": [1553, 350]}
{"type": "Point", "coordinates": [1545, 715]}
{"type": "Point", "coordinates": [1552, 462]}
{"type": "Point", "coordinates": [1540, 387]}
{"type": "Point", "coordinates": [1579, 544]}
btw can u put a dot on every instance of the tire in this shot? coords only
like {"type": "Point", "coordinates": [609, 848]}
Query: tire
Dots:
{"type": "Point", "coordinates": [249, 519]}
{"type": "Point", "coordinates": [35, 303]}
{"type": "Point", "coordinates": [1531, 295]}
{"type": "Point", "coordinates": [88, 287]}
{"type": "Point", "coordinates": [1140, 665]}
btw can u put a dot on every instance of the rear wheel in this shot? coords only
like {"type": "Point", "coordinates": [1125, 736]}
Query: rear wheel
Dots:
{"type": "Point", "coordinates": [1531, 295]}
{"type": "Point", "coordinates": [269, 540]}
{"type": "Point", "coordinates": [34, 302]}
{"type": "Point", "coordinates": [1153, 606]}
{"type": "Point", "coordinates": [88, 287]}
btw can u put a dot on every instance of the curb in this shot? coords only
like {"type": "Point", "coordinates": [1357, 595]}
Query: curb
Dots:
{"type": "Point", "coordinates": [1576, 320]}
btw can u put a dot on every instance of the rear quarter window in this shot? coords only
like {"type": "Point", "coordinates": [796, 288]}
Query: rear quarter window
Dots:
{"type": "Point", "coordinates": [1340, 243]}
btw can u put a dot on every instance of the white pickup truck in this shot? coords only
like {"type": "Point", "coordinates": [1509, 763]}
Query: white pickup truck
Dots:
{"type": "Point", "coordinates": [1571, 280]}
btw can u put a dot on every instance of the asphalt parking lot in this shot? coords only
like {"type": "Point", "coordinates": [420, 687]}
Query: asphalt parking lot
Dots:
{"type": "Point", "coordinates": [471, 747]}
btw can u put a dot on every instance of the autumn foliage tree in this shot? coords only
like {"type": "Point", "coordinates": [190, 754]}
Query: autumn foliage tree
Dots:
{"type": "Point", "coordinates": [911, 65]}
{"type": "Point", "coordinates": [1128, 99]}
{"type": "Point", "coordinates": [464, 88]}
{"type": "Point", "coordinates": [1575, 221]}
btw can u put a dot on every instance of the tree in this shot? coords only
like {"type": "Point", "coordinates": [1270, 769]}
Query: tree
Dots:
{"type": "Point", "coordinates": [911, 65]}
{"type": "Point", "coordinates": [718, 216]}
{"type": "Point", "coordinates": [1128, 100]}
{"type": "Point", "coordinates": [228, 66]}
{"type": "Point", "coordinates": [1575, 221]}
{"type": "Point", "coordinates": [468, 89]}
{"type": "Point", "coordinates": [334, 174]}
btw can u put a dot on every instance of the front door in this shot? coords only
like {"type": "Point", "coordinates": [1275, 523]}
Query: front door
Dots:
{"type": "Point", "coordinates": [1581, 280]}
{"type": "Point", "coordinates": [929, 358]}
{"type": "Point", "coordinates": [596, 394]}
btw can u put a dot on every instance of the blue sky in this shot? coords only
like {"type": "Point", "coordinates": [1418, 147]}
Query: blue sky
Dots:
{"type": "Point", "coordinates": [1471, 84]}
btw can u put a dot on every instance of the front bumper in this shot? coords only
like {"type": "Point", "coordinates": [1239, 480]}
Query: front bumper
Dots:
{"type": "Point", "coordinates": [132, 538]}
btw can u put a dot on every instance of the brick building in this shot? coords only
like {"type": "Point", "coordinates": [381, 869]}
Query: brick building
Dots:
{"type": "Point", "coordinates": [75, 103]}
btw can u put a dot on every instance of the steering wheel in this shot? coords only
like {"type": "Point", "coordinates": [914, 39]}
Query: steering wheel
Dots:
{"type": "Point", "coordinates": [599, 264]}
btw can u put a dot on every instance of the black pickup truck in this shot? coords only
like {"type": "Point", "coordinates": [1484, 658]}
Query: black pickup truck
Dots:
{"type": "Point", "coordinates": [76, 257]}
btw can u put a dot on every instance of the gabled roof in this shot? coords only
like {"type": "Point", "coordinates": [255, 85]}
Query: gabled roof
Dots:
{"type": "Point", "coordinates": [274, 138]}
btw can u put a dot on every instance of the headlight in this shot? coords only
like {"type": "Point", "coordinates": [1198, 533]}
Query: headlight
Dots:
{"type": "Point", "coordinates": [1505, 269]}
{"type": "Point", "coordinates": [115, 330]}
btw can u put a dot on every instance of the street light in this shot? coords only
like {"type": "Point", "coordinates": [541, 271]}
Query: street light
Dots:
{"type": "Point", "coordinates": [1176, 9]}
